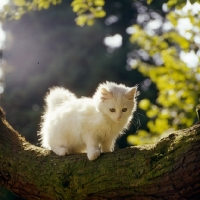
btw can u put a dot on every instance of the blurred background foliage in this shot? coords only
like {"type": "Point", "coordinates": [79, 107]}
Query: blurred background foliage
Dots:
{"type": "Point", "coordinates": [170, 57]}
{"type": "Point", "coordinates": [152, 43]}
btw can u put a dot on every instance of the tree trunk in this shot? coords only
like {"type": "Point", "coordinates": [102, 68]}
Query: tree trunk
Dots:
{"type": "Point", "coordinates": [169, 169]}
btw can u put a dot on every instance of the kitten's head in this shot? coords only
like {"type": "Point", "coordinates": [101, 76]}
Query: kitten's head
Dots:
{"type": "Point", "coordinates": [118, 102]}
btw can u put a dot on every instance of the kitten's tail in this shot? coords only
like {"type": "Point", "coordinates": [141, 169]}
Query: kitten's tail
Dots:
{"type": "Point", "coordinates": [56, 96]}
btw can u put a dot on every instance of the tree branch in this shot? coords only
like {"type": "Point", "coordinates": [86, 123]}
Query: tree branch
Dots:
{"type": "Point", "coordinates": [169, 169]}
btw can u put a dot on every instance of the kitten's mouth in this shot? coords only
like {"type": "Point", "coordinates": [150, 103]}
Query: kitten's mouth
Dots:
{"type": "Point", "coordinates": [117, 120]}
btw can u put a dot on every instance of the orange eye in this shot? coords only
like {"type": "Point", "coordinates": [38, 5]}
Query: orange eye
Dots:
{"type": "Point", "coordinates": [124, 109]}
{"type": "Point", "coordinates": [112, 110]}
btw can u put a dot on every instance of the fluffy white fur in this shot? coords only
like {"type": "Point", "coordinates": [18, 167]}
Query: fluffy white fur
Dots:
{"type": "Point", "coordinates": [75, 125]}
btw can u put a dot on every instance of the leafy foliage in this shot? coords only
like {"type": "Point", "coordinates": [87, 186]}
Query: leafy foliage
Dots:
{"type": "Point", "coordinates": [175, 3]}
{"type": "Point", "coordinates": [178, 82]}
{"type": "Point", "coordinates": [88, 10]}
{"type": "Point", "coordinates": [16, 8]}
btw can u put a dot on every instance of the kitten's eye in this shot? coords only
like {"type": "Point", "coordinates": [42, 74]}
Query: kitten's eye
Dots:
{"type": "Point", "coordinates": [124, 109]}
{"type": "Point", "coordinates": [112, 110]}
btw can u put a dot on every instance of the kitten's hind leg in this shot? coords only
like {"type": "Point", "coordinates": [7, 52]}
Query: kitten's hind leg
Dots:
{"type": "Point", "coordinates": [59, 150]}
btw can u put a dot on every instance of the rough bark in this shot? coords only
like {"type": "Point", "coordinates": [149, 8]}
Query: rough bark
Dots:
{"type": "Point", "coordinates": [169, 169]}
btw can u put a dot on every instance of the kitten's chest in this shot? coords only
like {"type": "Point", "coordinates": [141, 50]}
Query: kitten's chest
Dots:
{"type": "Point", "coordinates": [107, 130]}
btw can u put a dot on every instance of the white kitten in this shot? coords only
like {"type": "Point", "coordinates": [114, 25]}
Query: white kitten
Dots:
{"type": "Point", "coordinates": [75, 125]}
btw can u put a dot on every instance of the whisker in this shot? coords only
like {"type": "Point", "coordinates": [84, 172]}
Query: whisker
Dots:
{"type": "Point", "coordinates": [140, 114]}
{"type": "Point", "coordinates": [136, 121]}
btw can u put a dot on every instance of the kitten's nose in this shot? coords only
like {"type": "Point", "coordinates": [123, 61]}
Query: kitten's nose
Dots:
{"type": "Point", "coordinates": [119, 117]}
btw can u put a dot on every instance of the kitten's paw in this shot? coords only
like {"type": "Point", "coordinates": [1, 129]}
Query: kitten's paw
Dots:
{"type": "Point", "coordinates": [92, 155]}
{"type": "Point", "coordinates": [61, 151]}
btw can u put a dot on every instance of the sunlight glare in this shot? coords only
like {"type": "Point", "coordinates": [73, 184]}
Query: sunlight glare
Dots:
{"type": "Point", "coordinates": [191, 59]}
{"type": "Point", "coordinates": [111, 19]}
{"type": "Point", "coordinates": [2, 33]}
{"type": "Point", "coordinates": [184, 25]}
{"type": "Point", "coordinates": [3, 3]}
{"type": "Point", "coordinates": [195, 8]}
{"type": "Point", "coordinates": [2, 37]}
{"type": "Point", "coordinates": [114, 41]}
{"type": "Point", "coordinates": [154, 24]}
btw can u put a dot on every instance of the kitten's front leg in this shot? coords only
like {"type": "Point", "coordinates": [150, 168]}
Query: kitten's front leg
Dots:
{"type": "Point", "coordinates": [107, 146]}
{"type": "Point", "coordinates": [93, 150]}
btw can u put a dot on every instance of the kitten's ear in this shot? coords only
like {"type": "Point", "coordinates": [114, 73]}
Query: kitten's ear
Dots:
{"type": "Point", "coordinates": [105, 94]}
{"type": "Point", "coordinates": [130, 95]}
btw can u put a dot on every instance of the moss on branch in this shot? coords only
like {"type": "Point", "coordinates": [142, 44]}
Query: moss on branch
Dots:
{"type": "Point", "coordinates": [172, 166]}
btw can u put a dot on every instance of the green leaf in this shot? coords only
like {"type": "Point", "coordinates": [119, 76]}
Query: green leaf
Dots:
{"type": "Point", "coordinates": [19, 2]}
{"type": "Point", "coordinates": [144, 104]}
{"type": "Point", "coordinates": [99, 13]}
{"type": "Point", "coordinates": [81, 20]}
{"type": "Point", "coordinates": [76, 2]}
{"type": "Point", "coordinates": [133, 139]}
{"type": "Point", "coordinates": [80, 6]}
{"type": "Point", "coordinates": [171, 3]}
{"type": "Point", "coordinates": [149, 1]}
{"type": "Point", "coordinates": [99, 2]}
{"type": "Point", "coordinates": [90, 22]}
{"type": "Point", "coordinates": [153, 111]}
